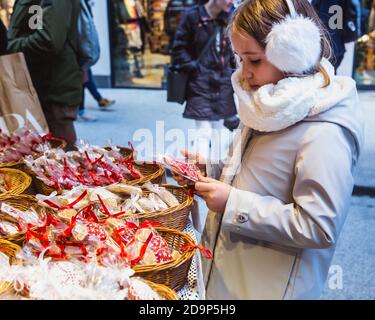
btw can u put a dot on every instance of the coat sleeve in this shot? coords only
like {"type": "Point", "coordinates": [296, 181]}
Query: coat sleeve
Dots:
{"type": "Point", "coordinates": [51, 38]}
{"type": "Point", "coordinates": [182, 44]}
{"type": "Point", "coordinates": [321, 197]}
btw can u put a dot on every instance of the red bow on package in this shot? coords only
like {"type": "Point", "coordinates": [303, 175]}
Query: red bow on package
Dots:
{"type": "Point", "coordinates": [142, 244]}
{"type": "Point", "coordinates": [206, 253]}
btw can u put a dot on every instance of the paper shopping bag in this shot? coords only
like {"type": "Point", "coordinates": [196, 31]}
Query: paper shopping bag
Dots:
{"type": "Point", "coordinates": [19, 103]}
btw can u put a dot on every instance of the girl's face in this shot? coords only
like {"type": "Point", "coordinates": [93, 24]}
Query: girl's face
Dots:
{"type": "Point", "coordinates": [256, 69]}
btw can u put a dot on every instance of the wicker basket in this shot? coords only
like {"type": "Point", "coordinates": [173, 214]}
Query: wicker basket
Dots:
{"type": "Point", "coordinates": [41, 187]}
{"type": "Point", "coordinates": [172, 274]}
{"type": "Point", "coordinates": [173, 218]}
{"type": "Point", "coordinates": [10, 249]}
{"type": "Point", "coordinates": [163, 291]}
{"type": "Point", "coordinates": [23, 203]}
{"type": "Point", "coordinates": [55, 143]}
{"type": "Point", "coordinates": [127, 153]}
{"type": "Point", "coordinates": [151, 171]}
{"type": "Point", "coordinates": [18, 180]}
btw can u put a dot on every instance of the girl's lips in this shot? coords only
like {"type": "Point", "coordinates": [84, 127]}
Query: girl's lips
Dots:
{"type": "Point", "coordinates": [254, 88]}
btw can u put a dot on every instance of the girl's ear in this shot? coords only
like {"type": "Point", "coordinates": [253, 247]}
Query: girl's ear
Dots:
{"type": "Point", "coordinates": [294, 45]}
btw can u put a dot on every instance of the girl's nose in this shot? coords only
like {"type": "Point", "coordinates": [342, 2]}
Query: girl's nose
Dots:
{"type": "Point", "coordinates": [246, 72]}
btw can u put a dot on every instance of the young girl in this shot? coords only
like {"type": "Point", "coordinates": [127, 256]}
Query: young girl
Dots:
{"type": "Point", "coordinates": [283, 196]}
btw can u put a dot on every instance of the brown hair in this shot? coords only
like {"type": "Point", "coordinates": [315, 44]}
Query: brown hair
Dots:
{"type": "Point", "coordinates": [255, 18]}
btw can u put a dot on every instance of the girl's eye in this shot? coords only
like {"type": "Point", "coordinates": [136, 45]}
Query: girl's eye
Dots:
{"type": "Point", "coordinates": [255, 61]}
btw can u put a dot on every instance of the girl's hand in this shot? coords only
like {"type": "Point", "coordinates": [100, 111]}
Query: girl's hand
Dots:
{"type": "Point", "coordinates": [195, 158]}
{"type": "Point", "coordinates": [214, 192]}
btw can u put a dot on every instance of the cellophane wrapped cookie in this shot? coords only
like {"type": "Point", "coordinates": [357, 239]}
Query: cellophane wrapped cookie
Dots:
{"type": "Point", "coordinates": [47, 279]}
{"type": "Point", "coordinates": [90, 166]}
{"type": "Point", "coordinates": [143, 245]}
{"type": "Point", "coordinates": [14, 221]}
{"type": "Point", "coordinates": [180, 167]}
{"type": "Point", "coordinates": [20, 143]}
{"type": "Point", "coordinates": [140, 290]}
{"type": "Point", "coordinates": [166, 196]}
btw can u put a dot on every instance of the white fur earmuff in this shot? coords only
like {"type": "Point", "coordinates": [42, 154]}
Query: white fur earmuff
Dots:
{"type": "Point", "coordinates": [294, 45]}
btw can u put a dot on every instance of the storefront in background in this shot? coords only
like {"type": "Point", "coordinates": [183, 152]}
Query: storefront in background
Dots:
{"type": "Point", "coordinates": [141, 34]}
{"type": "Point", "coordinates": [140, 39]}
{"type": "Point", "coordinates": [136, 38]}
{"type": "Point", "coordinates": [364, 60]}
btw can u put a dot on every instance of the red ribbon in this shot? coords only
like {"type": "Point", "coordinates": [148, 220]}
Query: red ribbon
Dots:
{"type": "Point", "coordinates": [206, 253]}
{"type": "Point", "coordinates": [68, 206]}
{"type": "Point", "coordinates": [41, 232]}
{"type": "Point", "coordinates": [49, 136]}
{"type": "Point", "coordinates": [106, 211]}
{"type": "Point", "coordinates": [146, 224]}
{"type": "Point", "coordinates": [143, 250]}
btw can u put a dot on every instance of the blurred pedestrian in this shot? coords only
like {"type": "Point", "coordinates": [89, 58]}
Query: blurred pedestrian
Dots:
{"type": "Point", "coordinates": [51, 57]}
{"type": "Point", "coordinates": [103, 103]}
{"type": "Point", "coordinates": [89, 82]}
{"type": "Point", "coordinates": [352, 10]}
{"type": "Point", "coordinates": [201, 48]}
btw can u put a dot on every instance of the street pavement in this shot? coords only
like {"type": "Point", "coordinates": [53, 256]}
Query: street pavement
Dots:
{"type": "Point", "coordinates": [145, 118]}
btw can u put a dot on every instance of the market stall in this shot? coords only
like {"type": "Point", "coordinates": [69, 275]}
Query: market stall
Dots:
{"type": "Point", "coordinates": [100, 223]}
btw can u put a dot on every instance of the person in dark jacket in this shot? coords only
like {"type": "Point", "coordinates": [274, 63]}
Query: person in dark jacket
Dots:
{"type": "Point", "coordinates": [3, 38]}
{"type": "Point", "coordinates": [322, 7]}
{"type": "Point", "coordinates": [51, 57]}
{"type": "Point", "coordinates": [336, 35]}
{"type": "Point", "coordinates": [209, 92]}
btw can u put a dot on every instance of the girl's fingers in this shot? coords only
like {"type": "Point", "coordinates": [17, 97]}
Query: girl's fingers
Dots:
{"type": "Point", "coordinates": [203, 187]}
{"type": "Point", "coordinates": [202, 178]}
{"type": "Point", "coordinates": [188, 155]}
{"type": "Point", "coordinates": [193, 156]}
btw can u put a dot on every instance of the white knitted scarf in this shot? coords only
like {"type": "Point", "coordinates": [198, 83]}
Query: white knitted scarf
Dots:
{"type": "Point", "coordinates": [274, 107]}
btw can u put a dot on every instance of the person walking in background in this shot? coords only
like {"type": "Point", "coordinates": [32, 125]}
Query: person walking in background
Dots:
{"type": "Point", "coordinates": [3, 38]}
{"type": "Point", "coordinates": [89, 82]}
{"type": "Point", "coordinates": [337, 35]}
{"type": "Point", "coordinates": [202, 49]}
{"type": "Point", "coordinates": [103, 103]}
{"type": "Point", "coordinates": [51, 57]}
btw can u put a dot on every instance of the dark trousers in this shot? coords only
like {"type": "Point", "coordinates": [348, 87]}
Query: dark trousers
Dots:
{"type": "Point", "coordinates": [90, 84]}
{"type": "Point", "coordinates": [60, 120]}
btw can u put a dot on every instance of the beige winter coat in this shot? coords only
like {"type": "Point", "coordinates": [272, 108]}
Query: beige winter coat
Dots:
{"type": "Point", "coordinates": [283, 217]}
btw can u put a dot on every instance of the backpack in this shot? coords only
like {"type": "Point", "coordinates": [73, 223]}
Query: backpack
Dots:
{"type": "Point", "coordinates": [352, 20]}
{"type": "Point", "coordinates": [88, 40]}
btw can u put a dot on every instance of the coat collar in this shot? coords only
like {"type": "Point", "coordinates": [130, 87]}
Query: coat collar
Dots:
{"type": "Point", "coordinates": [223, 17]}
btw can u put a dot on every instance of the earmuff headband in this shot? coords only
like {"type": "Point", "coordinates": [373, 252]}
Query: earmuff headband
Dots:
{"type": "Point", "coordinates": [292, 9]}
{"type": "Point", "coordinates": [294, 44]}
